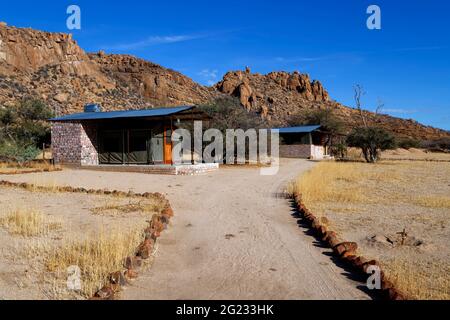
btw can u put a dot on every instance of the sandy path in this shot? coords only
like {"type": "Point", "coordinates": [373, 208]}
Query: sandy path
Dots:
{"type": "Point", "coordinates": [232, 238]}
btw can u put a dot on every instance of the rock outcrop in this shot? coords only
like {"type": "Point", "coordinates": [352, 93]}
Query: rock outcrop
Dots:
{"type": "Point", "coordinates": [275, 95]}
{"type": "Point", "coordinates": [52, 67]}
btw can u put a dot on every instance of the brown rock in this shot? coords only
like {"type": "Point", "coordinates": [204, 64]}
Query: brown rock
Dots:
{"type": "Point", "coordinates": [367, 264]}
{"type": "Point", "coordinates": [345, 247]}
{"type": "Point", "coordinates": [349, 258]}
{"type": "Point", "coordinates": [145, 249]}
{"type": "Point", "coordinates": [359, 262]}
{"type": "Point", "coordinates": [155, 235]}
{"type": "Point", "coordinates": [394, 294]}
{"type": "Point", "coordinates": [105, 293]}
{"type": "Point", "coordinates": [133, 262]}
{"type": "Point", "coordinates": [168, 211]}
{"type": "Point", "coordinates": [130, 274]}
{"type": "Point", "coordinates": [329, 234]}
{"type": "Point", "coordinates": [386, 284]}
{"type": "Point", "coordinates": [333, 241]}
{"type": "Point", "coordinates": [321, 230]}
{"type": "Point", "coordinates": [117, 278]}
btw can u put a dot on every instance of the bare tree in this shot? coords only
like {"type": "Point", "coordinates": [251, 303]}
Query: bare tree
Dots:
{"type": "Point", "coordinates": [359, 92]}
{"type": "Point", "coordinates": [380, 107]}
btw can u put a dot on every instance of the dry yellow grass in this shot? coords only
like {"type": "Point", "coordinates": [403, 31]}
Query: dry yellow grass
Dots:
{"type": "Point", "coordinates": [422, 280]}
{"type": "Point", "coordinates": [97, 256]}
{"type": "Point", "coordinates": [366, 198]}
{"type": "Point", "coordinates": [433, 201]}
{"type": "Point", "coordinates": [332, 181]}
{"type": "Point", "coordinates": [28, 223]}
{"type": "Point", "coordinates": [14, 168]}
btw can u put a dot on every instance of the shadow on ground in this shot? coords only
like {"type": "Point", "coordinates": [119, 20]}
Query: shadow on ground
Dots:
{"type": "Point", "coordinates": [347, 270]}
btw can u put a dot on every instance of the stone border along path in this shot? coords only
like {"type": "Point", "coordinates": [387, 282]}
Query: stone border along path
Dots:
{"type": "Point", "coordinates": [159, 222]}
{"type": "Point", "coordinates": [232, 237]}
{"type": "Point", "coordinates": [346, 251]}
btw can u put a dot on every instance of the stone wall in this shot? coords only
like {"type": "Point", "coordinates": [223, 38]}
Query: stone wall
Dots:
{"type": "Point", "coordinates": [301, 151]}
{"type": "Point", "coordinates": [89, 145]}
{"type": "Point", "coordinates": [74, 143]}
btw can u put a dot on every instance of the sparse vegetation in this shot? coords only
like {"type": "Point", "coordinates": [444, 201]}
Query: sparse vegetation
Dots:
{"type": "Point", "coordinates": [439, 145]}
{"type": "Point", "coordinates": [14, 168]}
{"type": "Point", "coordinates": [64, 237]}
{"type": "Point", "coordinates": [28, 223]}
{"type": "Point", "coordinates": [96, 255]}
{"type": "Point", "coordinates": [433, 201]}
{"type": "Point", "coordinates": [423, 280]}
{"type": "Point", "coordinates": [362, 200]}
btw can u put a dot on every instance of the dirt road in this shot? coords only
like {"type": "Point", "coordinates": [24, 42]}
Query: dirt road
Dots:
{"type": "Point", "coordinates": [232, 237]}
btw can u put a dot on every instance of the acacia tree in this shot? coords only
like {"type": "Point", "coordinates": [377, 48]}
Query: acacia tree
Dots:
{"type": "Point", "coordinates": [371, 140]}
{"type": "Point", "coordinates": [23, 129]}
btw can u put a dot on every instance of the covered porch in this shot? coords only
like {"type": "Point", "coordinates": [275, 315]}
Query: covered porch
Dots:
{"type": "Point", "coordinates": [127, 138]}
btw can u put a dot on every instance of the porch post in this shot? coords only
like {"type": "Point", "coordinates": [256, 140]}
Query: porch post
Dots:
{"type": "Point", "coordinates": [193, 137]}
{"type": "Point", "coordinates": [171, 130]}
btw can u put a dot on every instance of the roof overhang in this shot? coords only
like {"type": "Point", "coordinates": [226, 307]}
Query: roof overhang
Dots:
{"type": "Point", "coordinates": [187, 112]}
{"type": "Point", "coordinates": [298, 129]}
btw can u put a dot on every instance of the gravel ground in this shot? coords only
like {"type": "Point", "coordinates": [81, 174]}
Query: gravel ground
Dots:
{"type": "Point", "coordinates": [232, 237]}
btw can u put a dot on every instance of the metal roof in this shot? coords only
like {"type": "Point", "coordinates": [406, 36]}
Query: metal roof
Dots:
{"type": "Point", "coordinates": [299, 129]}
{"type": "Point", "coordinates": [157, 112]}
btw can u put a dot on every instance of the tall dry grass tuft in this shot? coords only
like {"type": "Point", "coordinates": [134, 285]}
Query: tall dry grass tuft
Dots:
{"type": "Point", "coordinates": [28, 223]}
{"type": "Point", "coordinates": [97, 256]}
{"type": "Point", "coordinates": [321, 183]}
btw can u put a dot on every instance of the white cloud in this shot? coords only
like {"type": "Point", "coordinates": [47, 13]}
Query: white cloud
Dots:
{"type": "Point", "coordinates": [401, 111]}
{"type": "Point", "coordinates": [210, 76]}
{"type": "Point", "coordinates": [154, 40]}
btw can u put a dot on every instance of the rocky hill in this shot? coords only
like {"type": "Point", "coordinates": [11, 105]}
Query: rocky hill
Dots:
{"type": "Point", "coordinates": [52, 67]}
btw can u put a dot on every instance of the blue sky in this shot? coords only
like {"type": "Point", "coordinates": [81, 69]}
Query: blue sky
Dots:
{"type": "Point", "coordinates": [406, 64]}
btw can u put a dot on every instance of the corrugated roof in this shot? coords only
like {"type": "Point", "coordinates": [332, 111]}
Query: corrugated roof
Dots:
{"type": "Point", "coordinates": [157, 112]}
{"type": "Point", "coordinates": [299, 129]}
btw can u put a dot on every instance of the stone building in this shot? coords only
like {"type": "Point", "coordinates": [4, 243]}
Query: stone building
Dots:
{"type": "Point", "coordinates": [304, 142]}
{"type": "Point", "coordinates": [133, 137]}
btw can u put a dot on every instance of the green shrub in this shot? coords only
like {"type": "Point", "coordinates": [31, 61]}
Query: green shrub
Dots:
{"type": "Point", "coordinates": [408, 143]}
{"type": "Point", "coordinates": [23, 129]}
{"type": "Point", "coordinates": [371, 140]}
{"type": "Point", "coordinates": [20, 154]}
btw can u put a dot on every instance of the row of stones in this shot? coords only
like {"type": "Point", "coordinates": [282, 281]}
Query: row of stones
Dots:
{"type": "Point", "coordinates": [347, 251]}
{"type": "Point", "coordinates": [19, 171]}
{"type": "Point", "coordinates": [117, 193]}
{"type": "Point", "coordinates": [132, 264]}
{"type": "Point", "coordinates": [157, 224]}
